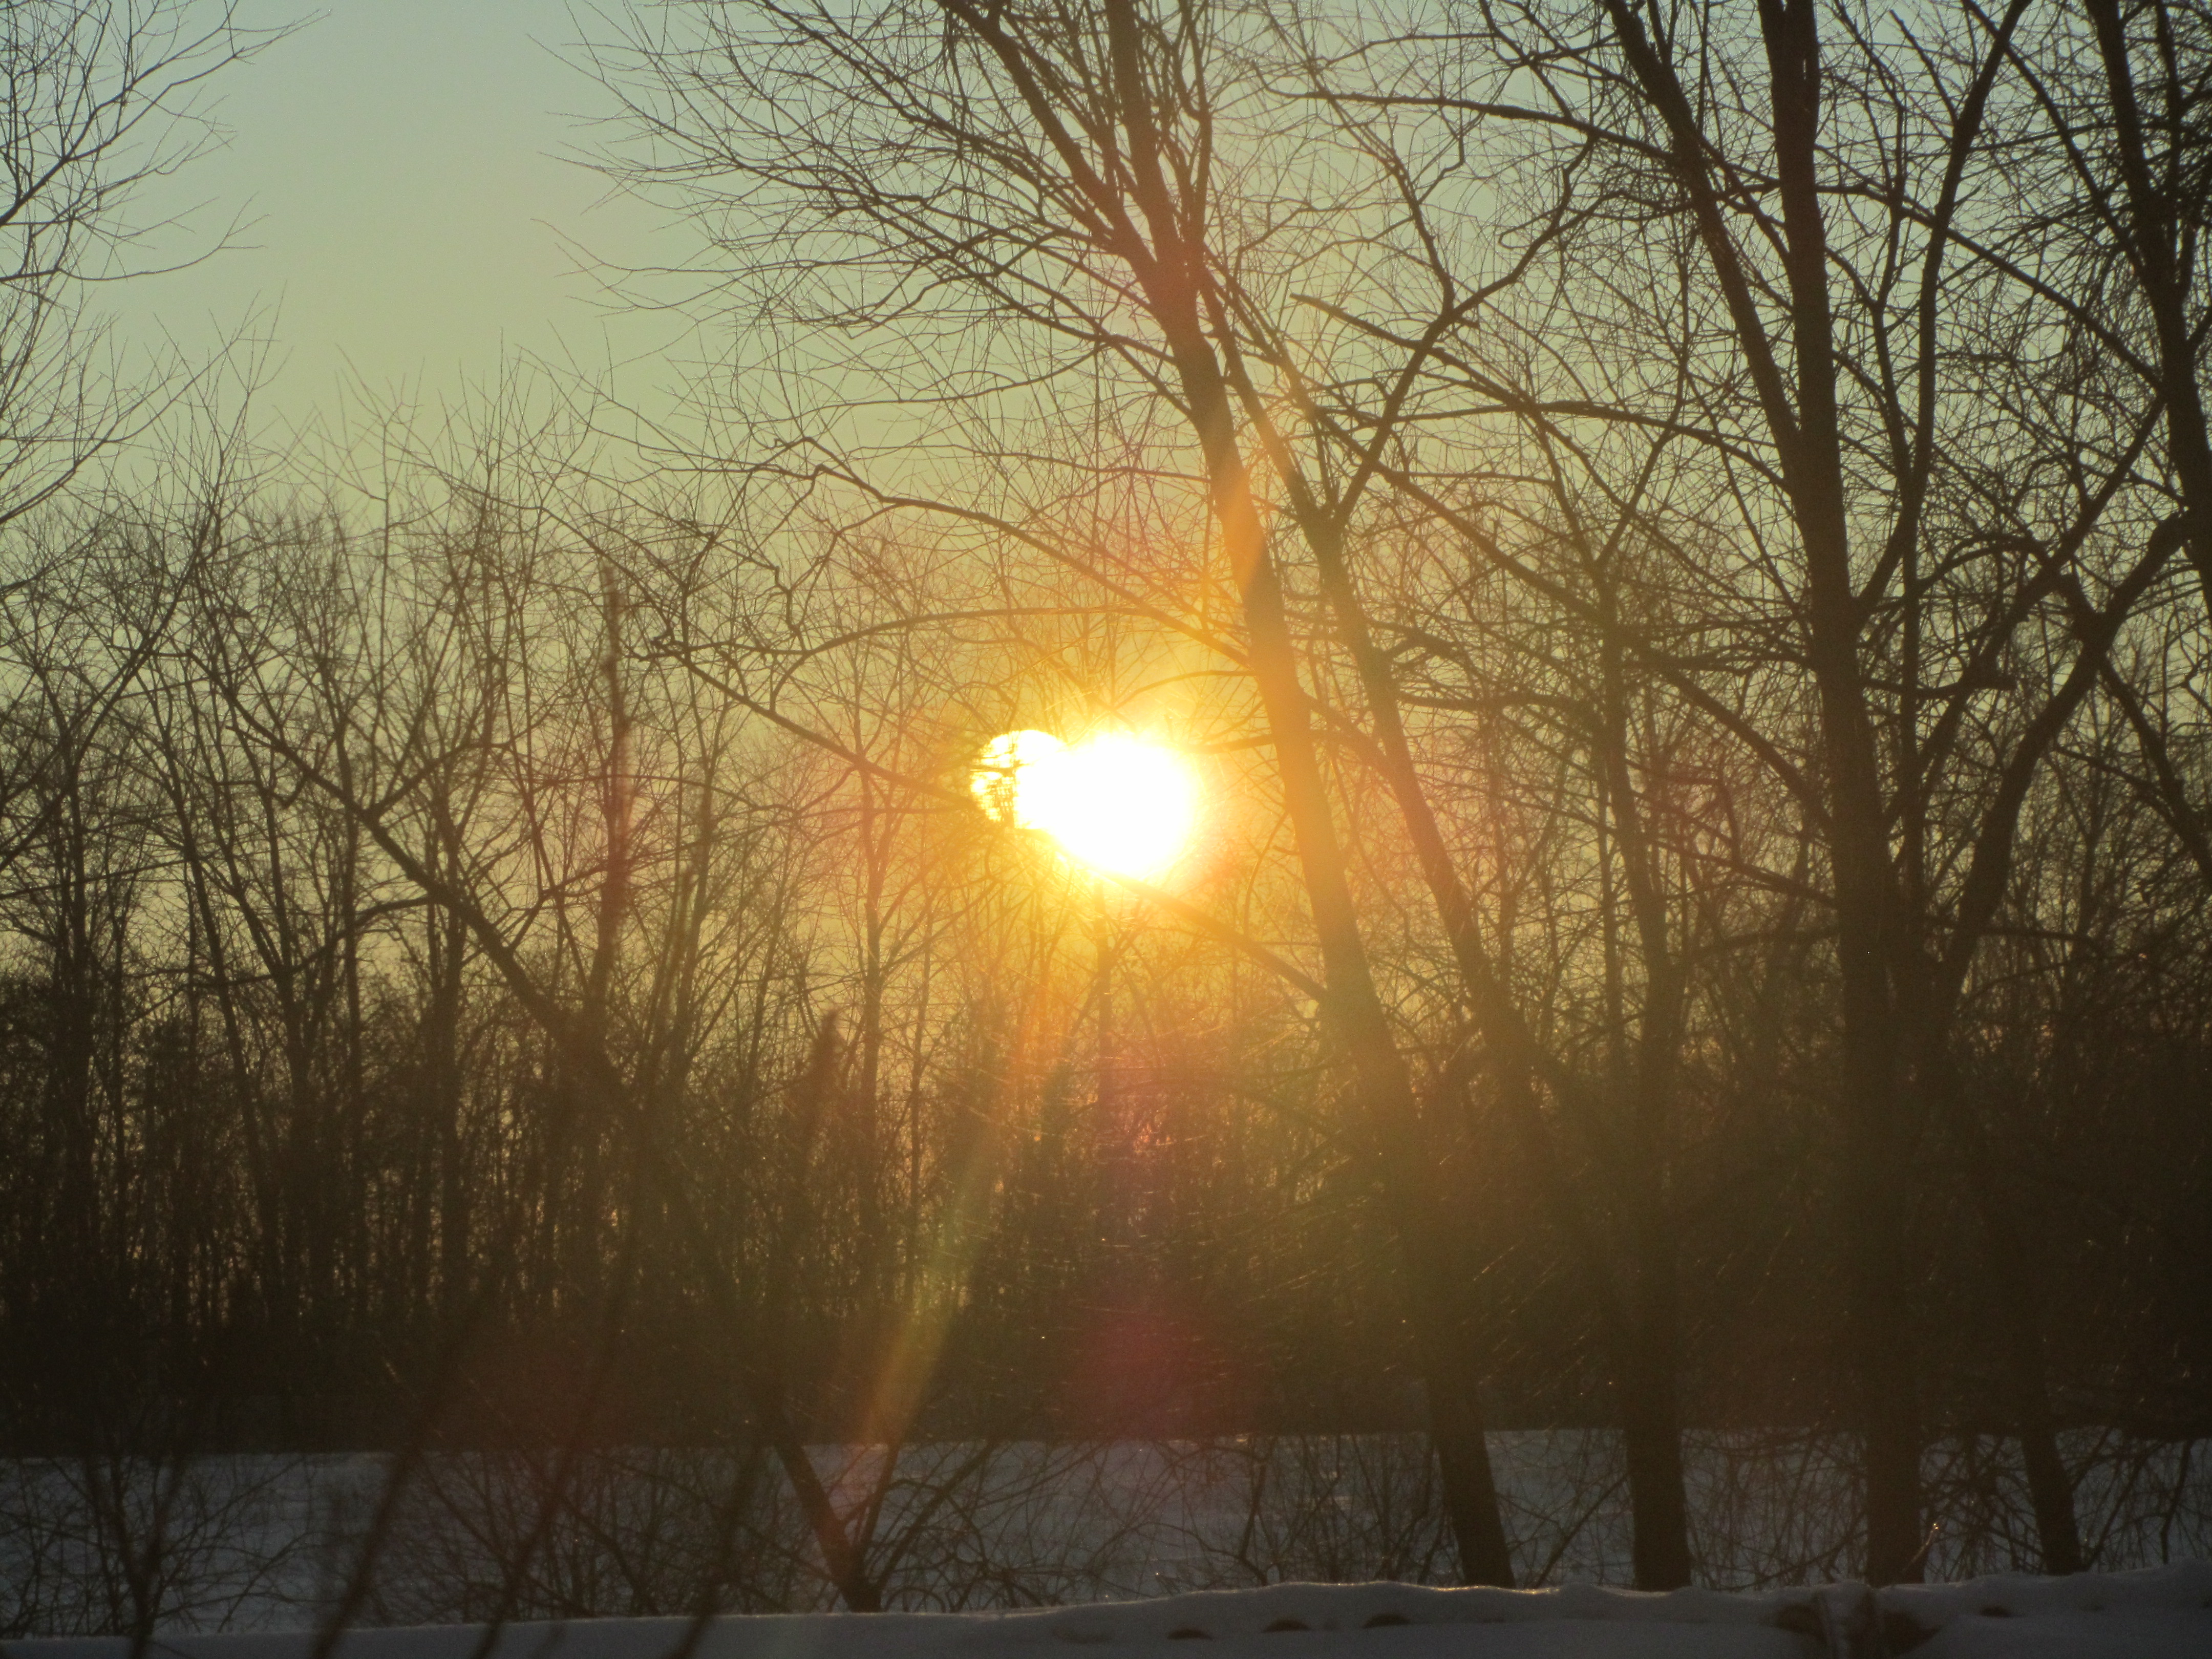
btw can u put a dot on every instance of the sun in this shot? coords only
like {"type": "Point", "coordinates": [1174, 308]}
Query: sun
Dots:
{"type": "Point", "coordinates": [1113, 802]}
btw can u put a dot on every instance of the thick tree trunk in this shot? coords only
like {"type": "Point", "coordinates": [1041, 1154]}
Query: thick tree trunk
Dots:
{"type": "Point", "coordinates": [1452, 1370]}
{"type": "Point", "coordinates": [1385, 1090]}
{"type": "Point", "coordinates": [1874, 1128]}
{"type": "Point", "coordinates": [2028, 1383]}
{"type": "Point", "coordinates": [1800, 411]}
{"type": "Point", "coordinates": [1882, 1354]}
{"type": "Point", "coordinates": [1878, 1325]}
{"type": "Point", "coordinates": [2050, 1489]}
{"type": "Point", "coordinates": [1167, 275]}
{"type": "Point", "coordinates": [1651, 1416]}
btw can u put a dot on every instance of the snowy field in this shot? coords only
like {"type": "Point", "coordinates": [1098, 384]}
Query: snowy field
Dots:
{"type": "Point", "coordinates": [2159, 1613]}
{"type": "Point", "coordinates": [264, 1543]}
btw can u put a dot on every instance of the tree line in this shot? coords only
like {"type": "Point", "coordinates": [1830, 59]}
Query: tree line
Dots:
{"type": "Point", "coordinates": [1676, 540]}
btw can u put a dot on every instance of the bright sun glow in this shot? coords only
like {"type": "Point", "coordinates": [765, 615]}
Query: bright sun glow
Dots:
{"type": "Point", "coordinates": [1117, 803]}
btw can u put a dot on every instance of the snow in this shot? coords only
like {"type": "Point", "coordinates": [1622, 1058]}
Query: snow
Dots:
{"type": "Point", "coordinates": [265, 1543]}
{"type": "Point", "coordinates": [2159, 1612]}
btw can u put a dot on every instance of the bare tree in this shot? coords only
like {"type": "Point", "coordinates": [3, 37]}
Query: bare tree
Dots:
{"type": "Point", "coordinates": [104, 100]}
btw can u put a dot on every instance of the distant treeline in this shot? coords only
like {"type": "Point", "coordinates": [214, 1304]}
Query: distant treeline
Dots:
{"type": "Point", "coordinates": [337, 860]}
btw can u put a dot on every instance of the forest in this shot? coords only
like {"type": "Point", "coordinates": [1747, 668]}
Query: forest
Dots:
{"type": "Point", "coordinates": [1673, 542]}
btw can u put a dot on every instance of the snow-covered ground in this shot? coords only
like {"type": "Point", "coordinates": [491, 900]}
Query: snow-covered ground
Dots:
{"type": "Point", "coordinates": [263, 1544]}
{"type": "Point", "coordinates": [2163, 1613]}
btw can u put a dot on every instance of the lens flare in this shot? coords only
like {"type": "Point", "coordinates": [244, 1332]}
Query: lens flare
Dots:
{"type": "Point", "coordinates": [1113, 802]}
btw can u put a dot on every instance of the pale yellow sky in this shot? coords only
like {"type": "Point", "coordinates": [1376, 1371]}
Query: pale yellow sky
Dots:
{"type": "Point", "coordinates": [399, 163]}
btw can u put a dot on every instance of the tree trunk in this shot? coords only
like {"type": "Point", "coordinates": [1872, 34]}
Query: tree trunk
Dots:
{"type": "Point", "coordinates": [1651, 1416]}
{"type": "Point", "coordinates": [1167, 276]}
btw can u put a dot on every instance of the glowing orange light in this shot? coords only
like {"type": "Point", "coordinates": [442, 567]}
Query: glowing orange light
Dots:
{"type": "Point", "coordinates": [1113, 802]}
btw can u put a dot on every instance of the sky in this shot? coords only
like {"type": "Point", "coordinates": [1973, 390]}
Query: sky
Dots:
{"type": "Point", "coordinates": [410, 222]}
